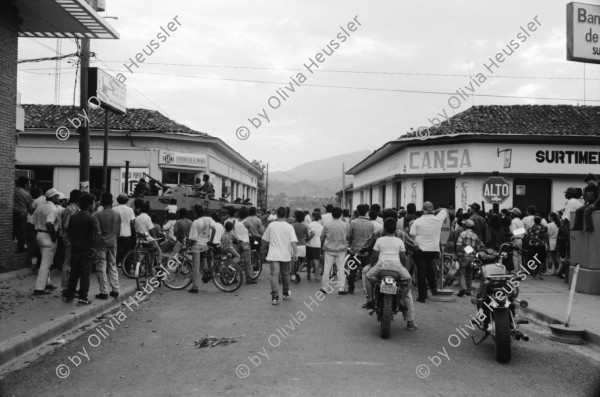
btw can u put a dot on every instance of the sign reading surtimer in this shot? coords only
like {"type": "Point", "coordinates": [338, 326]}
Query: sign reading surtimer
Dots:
{"type": "Point", "coordinates": [496, 190]}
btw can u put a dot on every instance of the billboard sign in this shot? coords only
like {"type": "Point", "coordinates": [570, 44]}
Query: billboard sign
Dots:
{"type": "Point", "coordinates": [168, 158]}
{"type": "Point", "coordinates": [583, 32]}
{"type": "Point", "coordinates": [110, 91]}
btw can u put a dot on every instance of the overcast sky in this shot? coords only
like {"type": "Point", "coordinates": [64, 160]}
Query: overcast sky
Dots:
{"type": "Point", "coordinates": [227, 58]}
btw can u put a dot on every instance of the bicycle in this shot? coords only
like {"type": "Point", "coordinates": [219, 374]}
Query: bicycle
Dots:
{"type": "Point", "coordinates": [226, 275]}
{"type": "Point", "coordinates": [255, 259]}
{"type": "Point", "coordinates": [132, 256]}
{"type": "Point", "coordinates": [149, 258]}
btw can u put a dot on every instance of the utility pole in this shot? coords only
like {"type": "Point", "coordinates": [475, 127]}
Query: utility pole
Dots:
{"type": "Point", "coordinates": [105, 158]}
{"type": "Point", "coordinates": [84, 131]}
{"type": "Point", "coordinates": [343, 185]}
{"type": "Point", "coordinates": [267, 190]}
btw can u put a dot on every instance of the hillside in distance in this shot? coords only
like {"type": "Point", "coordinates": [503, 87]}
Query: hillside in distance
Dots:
{"type": "Point", "coordinates": [316, 178]}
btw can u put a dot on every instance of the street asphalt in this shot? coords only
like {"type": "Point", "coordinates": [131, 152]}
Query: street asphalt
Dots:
{"type": "Point", "coordinates": [302, 347]}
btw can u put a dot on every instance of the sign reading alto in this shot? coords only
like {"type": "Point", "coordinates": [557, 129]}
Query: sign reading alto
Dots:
{"type": "Point", "coordinates": [496, 190]}
{"type": "Point", "coordinates": [583, 32]}
{"type": "Point", "coordinates": [182, 159]}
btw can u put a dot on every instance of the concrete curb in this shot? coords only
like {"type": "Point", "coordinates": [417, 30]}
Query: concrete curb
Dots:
{"type": "Point", "coordinates": [21, 344]}
{"type": "Point", "coordinates": [26, 271]}
{"type": "Point", "coordinates": [591, 338]}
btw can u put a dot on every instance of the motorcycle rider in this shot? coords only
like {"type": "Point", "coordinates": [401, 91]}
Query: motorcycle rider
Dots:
{"type": "Point", "coordinates": [389, 254]}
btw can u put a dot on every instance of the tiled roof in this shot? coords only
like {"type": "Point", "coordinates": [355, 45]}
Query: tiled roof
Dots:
{"type": "Point", "coordinates": [522, 120]}
{"type": "Point", "coordinates": [54, 116]}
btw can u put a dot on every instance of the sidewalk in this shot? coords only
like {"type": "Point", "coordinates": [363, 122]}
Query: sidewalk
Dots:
{"type": "Point", "coordinates": [27, 321]}
{"type": "Point", "coordinates": [548, 300]}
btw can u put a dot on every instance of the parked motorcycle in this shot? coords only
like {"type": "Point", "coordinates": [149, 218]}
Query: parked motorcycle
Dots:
{"type": "Point", "coordinates": [387, 295]}
{"type": "Point", "coordinates": [496, 300]}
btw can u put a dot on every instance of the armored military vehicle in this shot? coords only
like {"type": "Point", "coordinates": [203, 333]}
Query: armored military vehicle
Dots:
{"type": "Point", "coordinates": [186, 198]}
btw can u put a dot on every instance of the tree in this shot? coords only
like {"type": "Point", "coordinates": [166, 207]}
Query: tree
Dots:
{"type": "Point", "coordinates": [261, 200]}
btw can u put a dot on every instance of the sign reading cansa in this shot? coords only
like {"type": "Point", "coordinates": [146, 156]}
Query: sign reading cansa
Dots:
{"type": "Point", "coordinates": [439, 159]}
{"type": "Point", "coordinates": [567, 157]}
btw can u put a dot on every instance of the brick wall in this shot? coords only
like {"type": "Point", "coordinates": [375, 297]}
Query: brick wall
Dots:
{"type": "Point", "coordinates": [8, 93]}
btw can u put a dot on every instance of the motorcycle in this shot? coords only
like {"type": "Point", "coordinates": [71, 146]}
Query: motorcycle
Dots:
{"type": "Point", "coordinates": [497, 298]}
{"type": "Point", "coordinates": [387, 295]}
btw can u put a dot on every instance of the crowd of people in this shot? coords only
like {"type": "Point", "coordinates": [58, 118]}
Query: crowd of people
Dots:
{"type": "Point", "coordinates": [376, 239]}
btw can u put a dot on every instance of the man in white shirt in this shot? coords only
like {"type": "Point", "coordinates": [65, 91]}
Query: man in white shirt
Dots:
{"type": "Point", "coordinates": [127, 223]}
{"type": "Point", "coordinates": [46, 221]}
{"type": "Point", "coordinates": [528, 220]}
{"type": "Point", "coordinates": [326, 218]}
{"type": "Point", "coordinates": [377, 227]}
{"type": "Point", "coordinates": [201, 233]}
{"type": "Point", "coordinates": [219, 229]}
{"type": "Point", "coordinates": [241, 232]}
{"type": "Point", "coordinates": [282, 250]}
{"type": "Point", "coordinates": [307, 219]}
{"type": "Point", "coordinates": [35, 249]}
{"type": "Point", "coordinates": [143, 223]}
{"type": "Point", "coordinates": [272, 216]}
{"type": "Point", "coordinates": [377, 208]}
{"type": "Point", "coordinates": [313, 247]}
{"type": "Point", "coordinates": [572, 203]}
{"type": "Point", "coordinates": [515, 224]}
{"type": "Point", "coordinates": [426, 232]}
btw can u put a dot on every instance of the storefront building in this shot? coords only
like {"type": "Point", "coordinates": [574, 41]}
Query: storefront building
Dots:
{"type": "Point", "coordinates": [31, 18]}
{"type": "Point", "coordinates": [153, 144]}
{"type": "Point", "coordinates": [508, 156]}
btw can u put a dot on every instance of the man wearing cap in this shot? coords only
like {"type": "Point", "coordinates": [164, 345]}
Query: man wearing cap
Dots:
{"type": "Point", "coordinates": [127, 224]}
{"type": "Point", "coordinates": [65, 219]}
{"type": "Point", "coordinates": [46, 222]}
{"type": "Point", "coordinates": [480, 225]}
{"type": "Point", "coordinates": [22, 207]}
{"type": "Point", "coordinates": [591, 195]}
{"type": "Point", "coordinates": [467, 238]}
{"type": "Point", "coordinates": [515, 224]}
{"type": "Point", "coordinates": [426, 232]}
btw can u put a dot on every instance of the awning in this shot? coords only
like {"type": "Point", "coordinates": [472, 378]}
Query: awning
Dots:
{"type": "Point", "coordinates": [62, 19]}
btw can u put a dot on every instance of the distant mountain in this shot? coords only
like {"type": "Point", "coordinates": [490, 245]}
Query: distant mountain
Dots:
{"type": "Point", "coordinates": [316, 178]}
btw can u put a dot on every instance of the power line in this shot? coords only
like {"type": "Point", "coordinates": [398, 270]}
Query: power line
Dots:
{"type": "Point", "coordinates": [139, 92]}
{"type": "Point", "coordinates": [42, 44]}
{"type": "Point", "coordinates": [54, 58]}
{"type": "Point", "coordinates": [366, 88]}
{"type": "Point", "coordinates": [356, 71]}
{"type": "Point", "coordinates": [345, 87]}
